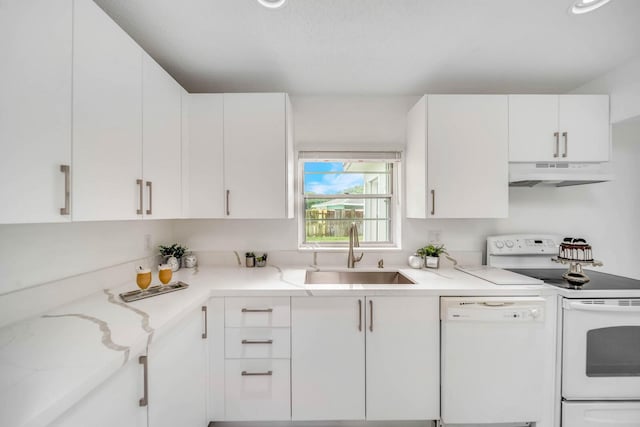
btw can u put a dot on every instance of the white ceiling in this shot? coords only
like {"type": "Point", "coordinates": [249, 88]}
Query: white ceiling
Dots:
{"type": "Point", "coordinates": [381, 46]}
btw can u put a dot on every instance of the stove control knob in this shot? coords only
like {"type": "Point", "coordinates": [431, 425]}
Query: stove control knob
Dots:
{"type": "Point", "coordinates": [499, 244]}
{"type": "Point", "coordinates": [535, 313]}
{"type": "Point", "coordinates": [509, 243]}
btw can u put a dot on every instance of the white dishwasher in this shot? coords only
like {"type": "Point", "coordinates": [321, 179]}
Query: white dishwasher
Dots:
{"type": "Point", "coordinates": [493, 357]}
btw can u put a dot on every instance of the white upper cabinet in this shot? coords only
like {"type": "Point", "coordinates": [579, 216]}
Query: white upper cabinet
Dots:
{"type": "Point", "coordinates": [462, 141]}
{"type": "Point", "coordinates": [239, 156]}
{"type": "Point", "coordinates": [161, 136]}
{"type": "Point", "coordinates": [256, 149]}
{"type": "Point", "coordinates": [584, 126]}
{"type": "Point", "coordinates": [533, 128]}
{"type": "Point", "coordinates": [203, 161]}
{"type": "Point", "coordinates": [559, 128]}
{"type": "Point", "coordinates": [107, 118]}
{"type": "Point", "coordinates": [35, 109]}
{"type": "Point", "coordinates": [403, 358]}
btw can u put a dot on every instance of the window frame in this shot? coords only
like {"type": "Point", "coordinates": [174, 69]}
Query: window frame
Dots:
{"type": "Point", "coordinates": [395, 211]}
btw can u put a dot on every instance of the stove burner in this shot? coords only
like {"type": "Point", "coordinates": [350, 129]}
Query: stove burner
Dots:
{"type": "Point", "coordinates": [599, 281]}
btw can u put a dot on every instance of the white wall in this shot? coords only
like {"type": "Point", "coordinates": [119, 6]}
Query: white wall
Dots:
{"type": "Point", "coordinates": [623, 85]}
{"type": "Point", "coordinates": [34, 254]}
{"type": "Point", "coordinates": [605, 214]}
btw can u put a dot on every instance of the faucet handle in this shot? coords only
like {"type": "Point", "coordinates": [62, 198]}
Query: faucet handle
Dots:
{"type": "Point", "coordinates": [381, 263]}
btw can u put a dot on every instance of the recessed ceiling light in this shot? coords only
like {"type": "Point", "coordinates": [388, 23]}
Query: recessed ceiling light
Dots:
{"type": "Point", "coordinates": [274, 4]}
{"type": "Point", "coordinates": [585, 6]}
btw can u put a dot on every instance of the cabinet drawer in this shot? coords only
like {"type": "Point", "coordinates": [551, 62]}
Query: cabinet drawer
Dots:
{"type": "Point", "coordinates": [257, 390]}
{"type": "Point", "coordinates": [257, 343]}
{"type": "Point", "coordinates": [257, 312]}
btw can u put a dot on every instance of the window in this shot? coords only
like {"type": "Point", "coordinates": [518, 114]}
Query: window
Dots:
{"type": "Point", "coordinates": [338, 189]}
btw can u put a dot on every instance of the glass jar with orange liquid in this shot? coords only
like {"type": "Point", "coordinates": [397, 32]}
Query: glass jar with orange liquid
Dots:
{"type": "Point", "coordinates": [143, 278]}
{"type": "Point", "coordinates": [164, 273]}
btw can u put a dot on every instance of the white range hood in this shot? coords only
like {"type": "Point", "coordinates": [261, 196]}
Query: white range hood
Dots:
{"type": "Point", "coordinates": [557, 174]}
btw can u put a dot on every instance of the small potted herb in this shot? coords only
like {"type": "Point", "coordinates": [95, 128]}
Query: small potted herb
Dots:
{"type": "Point", "coordinates": [173, 255]}
{"type": "Point", "coordinates": [431, 254]}
{"type": "Point", "coordinates": [250, 259]}
{"type": "Point", "coordinates": [261, 261]}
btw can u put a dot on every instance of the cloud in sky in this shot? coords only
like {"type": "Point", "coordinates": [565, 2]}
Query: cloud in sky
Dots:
{"type": "Point", "coordinates": [332, 183]}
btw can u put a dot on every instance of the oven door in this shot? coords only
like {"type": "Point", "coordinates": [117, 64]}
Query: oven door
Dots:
{"type": "Point", "coordinates": [601, 349]}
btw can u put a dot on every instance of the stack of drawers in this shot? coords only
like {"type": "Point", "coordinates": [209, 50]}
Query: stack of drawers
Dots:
{"type": "Point", "coordinates": [257, 359]}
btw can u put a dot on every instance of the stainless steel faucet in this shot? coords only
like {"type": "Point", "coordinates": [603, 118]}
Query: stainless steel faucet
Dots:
{"type": "Point", "coordinates": [353, 242]}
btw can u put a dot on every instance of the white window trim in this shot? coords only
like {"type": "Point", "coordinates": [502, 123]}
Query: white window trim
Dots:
{"type": "Point", "coordinates": [396, 198]}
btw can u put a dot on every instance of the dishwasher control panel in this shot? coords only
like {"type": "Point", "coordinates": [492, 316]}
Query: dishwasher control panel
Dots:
{"type": "Point", "coordinates": [493, 310]}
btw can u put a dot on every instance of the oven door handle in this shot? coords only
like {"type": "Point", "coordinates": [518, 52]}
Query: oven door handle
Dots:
{"type": "Point", "coordinates": [602, 308]}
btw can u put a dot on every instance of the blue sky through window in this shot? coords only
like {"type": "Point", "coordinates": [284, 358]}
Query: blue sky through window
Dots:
{"type": "Point", "coordinates": [331, 181]}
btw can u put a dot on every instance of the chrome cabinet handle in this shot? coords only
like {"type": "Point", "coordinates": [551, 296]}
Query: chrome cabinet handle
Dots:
{"type": "Point", "coordinates": [67, 191]}
{"type": "Point", "coordinates": [370, 316]}
{"type": "Point", "coordinates": [204, 311]}
{"type": "Point", "coordinates": [360, 315]}
{"type": "Point", "coordinates": [557, 136]}
{"type": "Point", "coordinates": [565, 135]}
{"type": "Point", "coordinates": [144, 401]}
{"type": "Point", "coordinates": [257, 341]}
{"type": "Point", "coordinates": [257, 310]}
{"type": "Point", "coordinates": [150, 187]}
{"type": "Point", "coordinates": [255, 374]}
{"type": "Point", "coordinates": [140, 196]}
{"type": "Point", "coordinates": [227, 203]}
{"type": "Point", "coordinates": [433, 202]}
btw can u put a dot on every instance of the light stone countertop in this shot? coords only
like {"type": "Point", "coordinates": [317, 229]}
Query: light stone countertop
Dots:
{"type": "Point", "coordinates": [57, 358]}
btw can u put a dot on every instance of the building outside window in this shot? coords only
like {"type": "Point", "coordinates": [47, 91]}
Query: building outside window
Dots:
{"type": "Point", "coordinates": [338, 189]}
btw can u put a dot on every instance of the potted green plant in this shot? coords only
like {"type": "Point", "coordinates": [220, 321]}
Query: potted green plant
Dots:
{"type": "Point", "coordinates": [173, 255]}
{"type": "Point", "coordinates": [431, 254]}
{"type": "Point", "coordinates": [250, 259]}
{"type": "Point", "coordinates": [261, 261]}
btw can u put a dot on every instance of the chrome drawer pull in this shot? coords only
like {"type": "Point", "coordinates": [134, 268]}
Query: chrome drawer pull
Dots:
{"type": "Point", "coordinates": [67, 189]}
{"type": "Point", "coordinates": [140, 196]}
{"type": "Point", "coordinates": [256, 374]}
{"type": "Point", "coordinates": [206, 328]}
{"type": "Point", "coordinates": [557, 136]}
{"type": "Point", "coordinates": [150, 187]}
{"type": "Point", "coordinates": [257, 310]}
{"type": "Point", "coordinates": [257, 341]}
{"type": "Point", "coordinates": [144, 401]}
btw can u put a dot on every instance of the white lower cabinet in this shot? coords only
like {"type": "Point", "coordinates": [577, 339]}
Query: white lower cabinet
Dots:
{"type": "Point", "coordinates": [403, 360]}
{"type": "Point", "coordinates": [178, 375]}
{"type": "Point", "coordinates": [257, 389]}
{"type": "Point", "coordinates": [330, 377]}
{"type": "Point", "coordinates": [327, 358]}
{"type": "Point", "coordinates": [116, 402]}
{"type": "Point", "coordinates": [250, 366]}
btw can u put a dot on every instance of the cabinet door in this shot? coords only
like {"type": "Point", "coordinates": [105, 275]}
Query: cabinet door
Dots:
{"type": "Point", "coordinates": [35, 109]}
{"type": "Point", "coordinates": [116, 402]}
{"type": "Point", "coordinates": [107, 118]}
{"type": "Point", "coordinates": [584, 127]}
{"type": "Point", "coordinates": [533, 128]}
{"type": "Point", "coordinates": [416, 160]}
{"type": "Point", "coordinates": [204, 153]}
{"type": "Point", "coordinates": [327, 358]}
{"type": "Point", "coordinates": [467, 156]}
{"type": "Point", "coordinates": [161, 130]}
{"type": "Point", "coordinates": [403, 370]}
{"type": "Point", "coordinates": [255, 155]}
{"type": "Point", "coordinates": [178, 375]}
